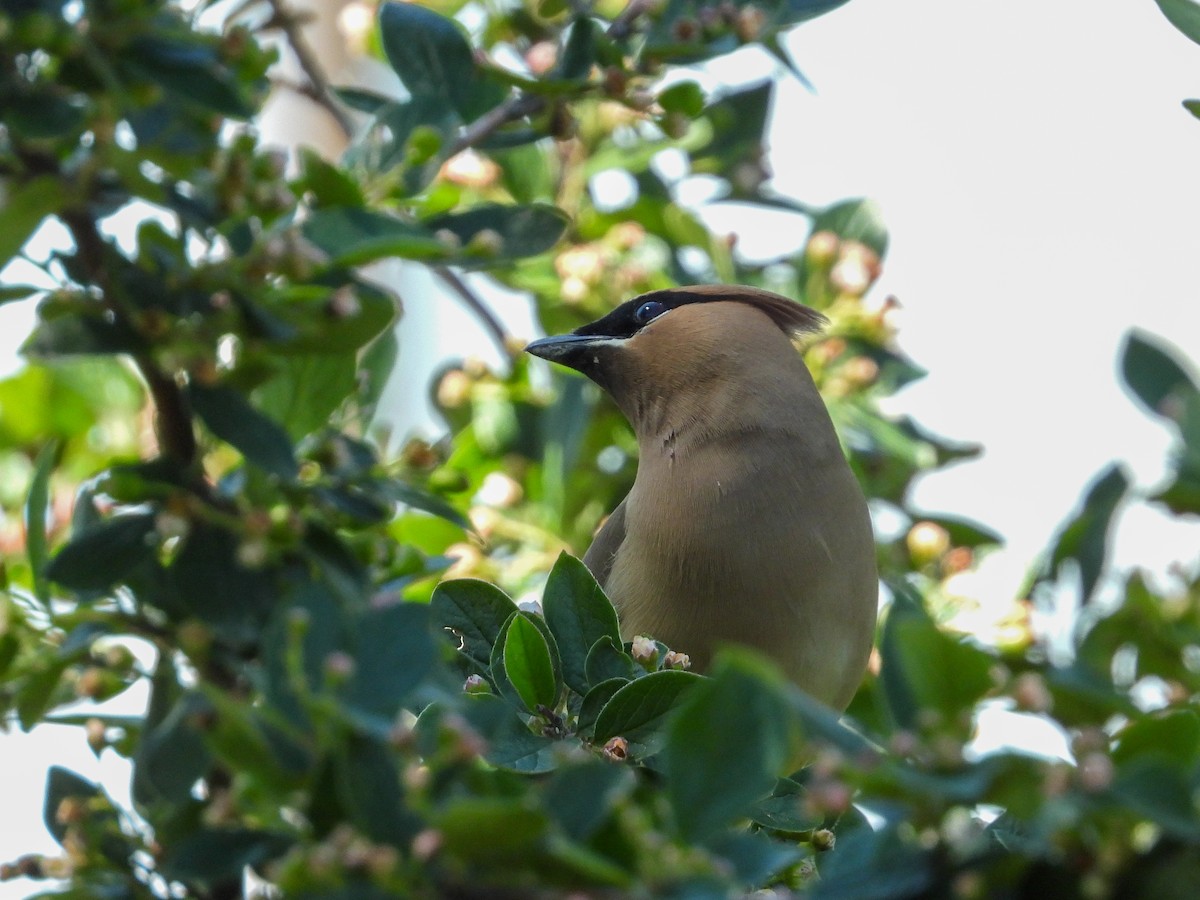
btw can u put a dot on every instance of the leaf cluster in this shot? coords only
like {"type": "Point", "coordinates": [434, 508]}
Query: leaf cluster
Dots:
{"type": "Point", "coordinates": [199, 501]}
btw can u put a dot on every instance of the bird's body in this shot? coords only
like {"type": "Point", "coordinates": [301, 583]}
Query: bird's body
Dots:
{"type": "Point", "coordinates": [744, 524]}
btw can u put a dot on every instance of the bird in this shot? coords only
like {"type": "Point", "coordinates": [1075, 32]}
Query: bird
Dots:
{"type": "Point", "coordinates": [745, 524]}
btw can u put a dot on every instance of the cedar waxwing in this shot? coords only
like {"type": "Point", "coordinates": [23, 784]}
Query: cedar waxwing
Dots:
{"type": "Point", "coordinates": [744, 524]}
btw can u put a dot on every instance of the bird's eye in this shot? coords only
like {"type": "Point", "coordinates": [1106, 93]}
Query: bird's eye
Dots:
{"type": "Point", "coordinates": [649, 311]}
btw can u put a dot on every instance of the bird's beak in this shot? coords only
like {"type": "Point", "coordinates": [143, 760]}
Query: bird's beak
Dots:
{"type": "Point", "coordinates": [563, 348]}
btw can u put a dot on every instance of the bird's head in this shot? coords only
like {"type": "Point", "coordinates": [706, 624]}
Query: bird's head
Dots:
{"type": "Point", "coordinates": [680, 336]}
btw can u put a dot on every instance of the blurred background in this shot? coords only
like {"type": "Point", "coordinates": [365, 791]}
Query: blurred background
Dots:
{"type": "Point", "coordinates": [1037, 174]}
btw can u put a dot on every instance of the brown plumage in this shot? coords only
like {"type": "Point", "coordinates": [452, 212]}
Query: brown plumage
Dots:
{"type": "Point", "coordinates": [744, 524]}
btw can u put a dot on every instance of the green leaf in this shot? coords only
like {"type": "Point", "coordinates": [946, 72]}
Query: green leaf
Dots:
{"type": "Point", "coordinates": [306, 390]}
{"type": "Point", "coordinates": [594, 702]}
{"type": "Point", "coordinates": [579, 615]}
{"type": "Point", "coordinates": [1173, 736]}
{"type": "Point", "coordinates": [726, 744]}
{"type": "Point", "coordinates": [329, 185]}
{"type": "Point", "coordinates": [581, 797]}
{"type": "Point", "coordinates": [24, 209]}
{"type": "Point", "coordinates": [231, 417]}
{"type": "Point", "coordinates": [755, 857]}
{"type": "Point", "coordinates": [684, 97]}
{"type": "Point", "coordinates": [208, 581]}
{"type": "Point", "coordinates": [580, 51]}
{"type": "Point", "coordinates": [172, 755]}
{"type": "Point", "coordinates": [62, 784]}
{"type": "Point", "coordinates": [369, 788]}
{"type": "Point", "coordinates": [104, 554]}
{"type": "Point", "coordinates": [1184, 15]}
{"type": "Point", "coordinates": [606, 660]}
{"type": "Point", "coordinates": [528, 664]}
{"type": "Point", "coordinates": [394, 651]}
{"type": "Point", "coordinates": [522, 230]}
{"type": "Point", "coordinates": [476, 612]}
{"type": "Point", "coordinates": [639, 710]}
{"type": "Point", "coordinates": [36, 692]}
{"type": "Point", "coordinates": [432, 57]}
{"type": "Point", "coordinates": [415, 498]}
{"type": "Point", "coordinates": [1155, 373]}
{"type": "Point", "coordinates": [1192, 106]}
{"type": "Point", "coordinates": [1084, 538]}
{"type": "Point", "coordinates": [212, 856]}
{"type": "Point", "coordinates": [79, 331]}
{"type": "Point", "coordinates": [36, 507]}
{"type": "Point", "coordinates": [784, 810]}
{"type": "Point", "coordinates": [1162, 791]}
{"type": "Point", "coordinates": [490, 829]}
{"type": "Point", "coordinates": [855, 220]}
{"type": "Point", "coordinates": [353, 236]}
{"type": "Point", "coordinates": [925, 668]}
{"type": "Point", "coordinates": [511, 745]}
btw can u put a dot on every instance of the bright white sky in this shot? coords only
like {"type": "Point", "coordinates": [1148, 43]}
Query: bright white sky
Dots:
{"type": "Point", "coordinates": [1039, 178]}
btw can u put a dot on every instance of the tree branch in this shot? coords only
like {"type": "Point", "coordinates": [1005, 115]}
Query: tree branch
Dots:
{"type": "Point", "coordinates": [490, 323]}
{"type": "Point", "coordinates": [289, 23]}
{"type": "Point", "coordinates": [492, 121]}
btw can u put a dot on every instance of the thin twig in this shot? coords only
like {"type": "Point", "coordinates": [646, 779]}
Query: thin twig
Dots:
{"type": "Point", "coordinates": [287, 21]}
{"type": "Point", "coordinates": [485, 126]}
{"type": "Point", "coordinates": [622, 25]}
{"type": "Point", "coordinates": [477, 306]}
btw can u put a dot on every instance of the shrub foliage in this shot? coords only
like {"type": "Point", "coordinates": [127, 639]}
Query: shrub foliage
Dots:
{"type": "Point", "coordinates": [248, 550]}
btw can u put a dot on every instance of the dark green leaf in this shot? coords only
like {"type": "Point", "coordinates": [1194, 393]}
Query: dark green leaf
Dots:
{"type": "Point", "coordinates": [726, 744]}
{"type": "Point", "coordinates": [594, 701]}
{"type": "Point", "coordinates": [353, 236]}
{"type": "Point", "coordinates": [528, 664]}
{"type": "Point", "coordinates": [24, 209]}
{"type": "Point", "coordinates": [579, 615]}
{"type": "Point", "coordinates": [172, 755]}
{"type": "Point", "coordinates": [925, 668]}
{"type": "Point", "coordinates": [329, 185]}
{"type": "Point", "coordinates": [209, 582]}
{"type": "Point", "coordinates": [306, 390]}
{"type": "Point", "coordinates": [36, 692]}
{"type": "Point", "coordinates": [639, 710]}
{"type": "Point", "coordinates": [1084, 539]}
{"type": "Point", "coordinates": [36, 506]}
{"type": "Point", "coordinates": [580, 52]}
{"type": "Point", "coordinates": [432, 57]}
{"type": "Point", "coordinates": [1184, 15]}
{"type": "Point", "coordinates": [212, 856]}
{"type": "Point", "coordinates": [61, 784]}
{"type": "Point", "coordinates": [394, 651]}
{"type": "Point", "coordinates": [1153, 370]}
{"type": "Point", "coordinates": [415, 498]}
{"type": "Point", "coordinates": [510, 743]}
{"type": "Point", "coordinates": [1160, 789]}
{"type": "Point", "coordinates": [755, 857]}
{"type": "Point", "coordinates": [784, 810]}
{"type": "Point", "coordinates": [102, 555]}
{"type": "Point", "coordinates": [368, 785]}
{"type": "Point", "coordinates": [517, 231]}
{"type": "Point", "coordinates": [579, 798]}
{"type": "Point", "coordinates": [606, 660]}
{"type": "Point", "coordinates": [1170, 735]}
{"type": "Point", "coordinates": [476, 612]}
{"type": "Point", "coordinates": [79, 331]}
{"type": "Point", "coordinates": [229, 415]}
{"type": "Point", "coordinates": [874, 865]}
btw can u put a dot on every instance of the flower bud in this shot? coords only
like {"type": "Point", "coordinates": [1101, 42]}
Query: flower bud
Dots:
{"type": "Point", "coordinates": [617, 749]}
